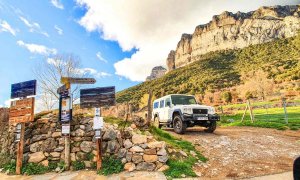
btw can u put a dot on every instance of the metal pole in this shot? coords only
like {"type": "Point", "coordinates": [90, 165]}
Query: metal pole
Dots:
{"type": "Point", "coordinates": [67, 137]}
{"type": "Point", "coordinates": [20, 149]}
{"type": "Point", "coordinates": [98, 143]}
{"type": "Point", "coordinates": [285, 112]}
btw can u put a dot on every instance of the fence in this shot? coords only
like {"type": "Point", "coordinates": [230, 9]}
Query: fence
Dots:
{"type": "Point", "coordinates": [279, 111]}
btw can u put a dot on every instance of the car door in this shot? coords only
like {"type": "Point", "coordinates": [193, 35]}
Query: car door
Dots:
{"type": "Point", "coordinates": [161, 110]}
{"type": "Point", "coordinates": [166, 110]}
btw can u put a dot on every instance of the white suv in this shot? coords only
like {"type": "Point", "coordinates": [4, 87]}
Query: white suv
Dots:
{"type": "Point", "coordinates": [181, 111]}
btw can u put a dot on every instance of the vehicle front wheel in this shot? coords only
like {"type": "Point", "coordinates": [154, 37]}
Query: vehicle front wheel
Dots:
{"type": "Point", "coordinates": [178, 125]}
{"type": "Point", "coordinates": [212, 127]}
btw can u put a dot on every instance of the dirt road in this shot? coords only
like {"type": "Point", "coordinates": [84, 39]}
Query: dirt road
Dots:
{"type": "Point", "coordinates": [243, 152]}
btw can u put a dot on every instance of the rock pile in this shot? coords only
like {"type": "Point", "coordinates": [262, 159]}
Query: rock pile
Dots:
{"type": "Point", "coordinates": [44, 143]}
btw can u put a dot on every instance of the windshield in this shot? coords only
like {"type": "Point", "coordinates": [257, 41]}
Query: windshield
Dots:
{"type": "Point", "coordinates": [183, 100]}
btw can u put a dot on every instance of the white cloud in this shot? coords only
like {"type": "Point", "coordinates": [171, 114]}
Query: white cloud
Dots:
{"type": "Point", "coordinates": [33, 26]}
{"type": "Point", "coordinates": [59, 30]}
{"type": "Point", "coordinates": [93, 72]}
{"type": "Point", "coordinates": [99, 56]}
{"type": "Point", "coordinates": [57, 4]}
{"type": "Point", "coordinates": [36, 48]}
{"type": "Point", "coordinates": [154, 27]}
{"type": "Point", "coordinates": [5, 27]}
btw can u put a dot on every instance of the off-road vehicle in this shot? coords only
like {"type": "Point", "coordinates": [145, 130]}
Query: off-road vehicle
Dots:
{"type": "Point", "coordinates": [180, 111]}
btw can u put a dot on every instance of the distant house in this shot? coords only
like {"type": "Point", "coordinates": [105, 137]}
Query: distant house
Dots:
{"type": "Point", "coordinates": [157, 72]}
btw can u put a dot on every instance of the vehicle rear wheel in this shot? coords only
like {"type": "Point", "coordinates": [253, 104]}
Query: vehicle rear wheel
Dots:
{"type": "Point", "coordinates": [178, 125]}
{"type": "Point", "coordinates": [156, 122]}
{"type": "Point", "coordinates": [212, 127]}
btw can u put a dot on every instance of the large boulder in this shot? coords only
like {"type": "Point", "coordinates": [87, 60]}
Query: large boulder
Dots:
{"type": "Point", "coordinates": [86, 146]}
{"type": "Point", "coordinates": [150, 158]}
{"type": "Point", "coordinates": [145, 166]}
{"type": "Point", "coordinates": [112, 146]}
{"type": "Point", "coordinates": [109, 135]}
{"type": "Point", "coordinates": [139, 139]}
{"type": "Point", "coordinates": [127, 144]}
{"type": "Point", "coordinates": [156, 144]}
{"type": "Point", "coordinates": [136, 149]}
{"type": "Point", "coordinates": [129, 166]}
{"type": "Point", "coordinates": [137, 158]}
{"type": "Point", "coordinates": [36, 157]}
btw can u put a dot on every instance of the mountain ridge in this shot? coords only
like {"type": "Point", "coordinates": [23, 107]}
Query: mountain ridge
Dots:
{"type": "Point", "coordinates": [236, 30]}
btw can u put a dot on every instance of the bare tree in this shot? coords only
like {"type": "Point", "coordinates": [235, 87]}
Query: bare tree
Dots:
{"type": "Point", "coordinates": [258, 83]}
{"type": "Point", "coordinates": [49, 73]}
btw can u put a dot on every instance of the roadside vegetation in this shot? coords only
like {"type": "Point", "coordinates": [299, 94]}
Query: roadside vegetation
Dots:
{"type": "Point", "coordinates": [179, 167]}
{"type": "Point", "coordinates": [278, 60]}
{"type": "Point", "coordinates": [266, 118]}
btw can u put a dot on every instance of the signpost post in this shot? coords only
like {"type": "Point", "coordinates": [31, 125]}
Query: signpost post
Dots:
{"type": "Point", "coordinates": [21, 111]}
{"type": "Point", "coordinates": [65, 109]}
{"type": "Point", "coordinates": [96, 98]}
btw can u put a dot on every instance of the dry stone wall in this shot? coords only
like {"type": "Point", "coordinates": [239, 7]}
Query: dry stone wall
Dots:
{"type": "Point", "coordinates": [44, 144]}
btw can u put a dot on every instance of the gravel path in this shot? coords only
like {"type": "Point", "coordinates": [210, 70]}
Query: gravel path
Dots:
{"type": "Point", "coordinates": [243, 152]}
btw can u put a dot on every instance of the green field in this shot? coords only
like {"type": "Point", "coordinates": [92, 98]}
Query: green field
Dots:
{"type": "Point", "coordinates": [265, 117]}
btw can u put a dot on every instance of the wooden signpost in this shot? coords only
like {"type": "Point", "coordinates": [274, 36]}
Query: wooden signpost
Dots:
{"type": "Point", "coordinates": [65, 109]}
{"type": "Point", "coordinates": [96, 98]}
{"type": "Point", "coordinates": [21, 111]}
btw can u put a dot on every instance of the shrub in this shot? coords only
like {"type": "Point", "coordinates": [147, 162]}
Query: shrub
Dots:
{"type": "Point", "coordinates": [61, 165]}
{"type": "Point", "coordinates": [78, 165]}
{"type": "Point", "coordinates": [33, 168]}
{"type": "Point", "coordinates": [10, 167]}
{"type": "Point", "coordinates": [52, 166]}
{"type": "Point", "coordinates": [111, 165]}
{"type": "Point", "coordinates": [90, 156]}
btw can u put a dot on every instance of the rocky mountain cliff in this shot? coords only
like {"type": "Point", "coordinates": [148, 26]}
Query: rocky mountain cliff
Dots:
{"type": "Point", "coordinates": [232, 31]}
{"type": "Point", "coordinates": [156, 72]}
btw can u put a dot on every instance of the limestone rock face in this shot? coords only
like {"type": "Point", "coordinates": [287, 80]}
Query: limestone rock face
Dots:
{"type": "Point", "coordinates": [157, 72]}
{"type": "Point", "coordinates": [233, 31]}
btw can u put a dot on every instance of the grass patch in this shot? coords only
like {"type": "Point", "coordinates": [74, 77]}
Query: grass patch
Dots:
{"type": "Point", "coordinates": [177, 168]}
{"type": "Point", "coordinates": [33, 168]}
{"type": "Point", "coordinates": [175, 142]}
{"type": "Point", "coordinates": [111, 165]}
{"type": "Point", "coordinates": [118, 121]}
{"type": "Point", "coordinates": [265, 118]}
{"type": "Point", "coordinates": [78, 165]}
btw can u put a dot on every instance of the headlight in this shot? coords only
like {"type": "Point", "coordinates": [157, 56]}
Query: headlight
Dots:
{"type": "Point", "coordinates": [211, 110]}
{"type": "Point", "coordinates": [188, 110]}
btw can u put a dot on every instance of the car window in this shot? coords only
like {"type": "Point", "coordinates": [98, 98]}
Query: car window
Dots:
{"type": "Point", "coordinates": [161, 104]}
{"type": "Point", "coordinates": [168, 101]}
{"type": "Point", "coordinates": [155, 105]}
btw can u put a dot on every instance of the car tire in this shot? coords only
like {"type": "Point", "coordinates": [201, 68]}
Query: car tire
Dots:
{"type": "Point", "coordinates": [179, 125]}
{"type": "Point", "coordinates": [296, 169]}
{"type": "Point", "coordinates": [156, 122]}
{"type": "Point", "coordinates": [212, 127]}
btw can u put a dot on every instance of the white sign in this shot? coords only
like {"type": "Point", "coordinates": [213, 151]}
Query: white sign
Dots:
{"type": "Point", "coordinates": [97, 112]}
{"type": "Point", "coordinates": [65, 129]}
{"type": "Point", "coordinates": [18, 137]}
{"type": "Point", "coordinates": [98, 134]}
{"type": "Point", "coordinates": [98, 122]}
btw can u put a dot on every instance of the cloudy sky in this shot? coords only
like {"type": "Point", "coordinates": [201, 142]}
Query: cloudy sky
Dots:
{"type": "Point", "coordinates": [118, 41]}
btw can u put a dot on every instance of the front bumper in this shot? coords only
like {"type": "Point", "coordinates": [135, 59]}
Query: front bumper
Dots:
{"type": "Point", "coordinates": [198, 117]}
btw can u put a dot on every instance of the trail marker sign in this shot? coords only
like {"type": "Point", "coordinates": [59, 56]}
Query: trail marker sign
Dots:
{"type": "Point", "coordinates": [97, 97]}
{"type": "Point", "coordinates": [21, 110]}
{"type": "Point", "coordinates": [23, 89]}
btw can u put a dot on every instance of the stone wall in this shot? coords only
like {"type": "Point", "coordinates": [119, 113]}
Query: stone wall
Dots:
{"type": "Point", "coordinates": [44, 144]}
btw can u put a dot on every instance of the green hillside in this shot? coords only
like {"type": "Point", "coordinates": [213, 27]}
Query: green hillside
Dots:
{"type": "Point", "coordinates": [223, 69]}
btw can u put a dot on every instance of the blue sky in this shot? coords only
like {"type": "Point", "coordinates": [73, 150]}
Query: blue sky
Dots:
{"type": "Point", "coordinates": [17, 62]}
{"type": "Point", "coordinates": [120, 40]}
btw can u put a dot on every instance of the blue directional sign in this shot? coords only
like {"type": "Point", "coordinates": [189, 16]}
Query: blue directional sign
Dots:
{"type": "Point", "coordinates": [23, 89]}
